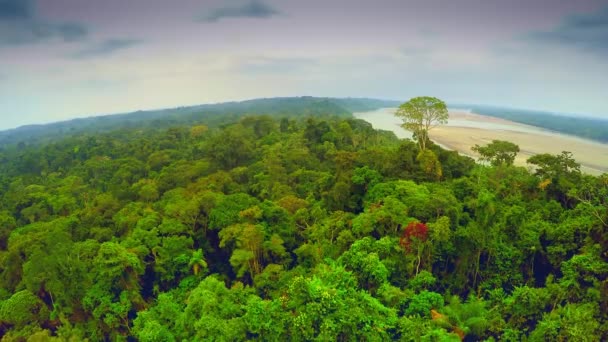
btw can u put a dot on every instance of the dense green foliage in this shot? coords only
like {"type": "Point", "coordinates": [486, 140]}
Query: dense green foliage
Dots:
{"type": "Point", "coordinates": [294, 229]}
{"type": "Point", "coordinates": [211, 114]}
{"type": "Point", "coordinates": [584, 127]}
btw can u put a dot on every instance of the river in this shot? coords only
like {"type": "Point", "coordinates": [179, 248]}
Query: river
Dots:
{"type": "Point", "coordinates": [465, 129]}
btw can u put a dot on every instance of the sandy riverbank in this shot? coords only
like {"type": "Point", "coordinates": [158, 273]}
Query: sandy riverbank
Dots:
{"type": "Point", "coordinates": [464, 130]}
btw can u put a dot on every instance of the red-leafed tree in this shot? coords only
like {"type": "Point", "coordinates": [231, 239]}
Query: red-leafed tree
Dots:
{"type": "Point", "coordinates": [414, 230]}
{"type": "Point", "coordinates": [414, 239]}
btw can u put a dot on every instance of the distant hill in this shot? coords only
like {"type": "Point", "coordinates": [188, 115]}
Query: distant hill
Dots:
{"type": "Point", "coordinates": [209, 114]}
{"type": "Point", "coordinates": [364, 105]}
{"type": "Point", "coordinates": [581, 126]}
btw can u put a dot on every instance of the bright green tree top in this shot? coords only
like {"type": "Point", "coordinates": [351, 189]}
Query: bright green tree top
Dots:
{"type": "Point", "coordinates": [420, 114]}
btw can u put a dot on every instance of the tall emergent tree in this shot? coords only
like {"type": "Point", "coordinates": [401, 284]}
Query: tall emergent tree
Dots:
{"type": "Point", "coordinates": [420, 114]}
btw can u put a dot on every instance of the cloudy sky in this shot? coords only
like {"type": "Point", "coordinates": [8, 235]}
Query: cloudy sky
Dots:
{"type": "Point", "coordinates": [61, 59]}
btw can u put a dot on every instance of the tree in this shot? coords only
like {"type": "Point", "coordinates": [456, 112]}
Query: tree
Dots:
{"type": "Point", "coordinates": [197, 131]}
{"type": "Point", "coordinates": [197, 261]}
{"type": "Point", "coordinates": [420, 114]}
{"type": "Point", "coordinates": [593, 193]}
{"type": "Point", "coordinates": [414, 240]}
{"type": "Point", "coordinates": [231, 147]}
{"type": "Point", "coordinates": [554, 166]}
{"type": "Point", "coordinates": [328, 306]}
{"type": "Point", "coordinates": [558, 173]}
{"type": "Point", "coordinates": [23, 308]}
{"type": "Point", "coordinates": [159, 322]}
{"type": "Point", "coordinates": [572, 322]}
{"type": "Point", "coordinates": [498, 152]}
{"type": "Point", "coordinates": [7, 223]}
{"type": "Point", "coordinates": [247, 254]}
{"type": "Point", "coordinates": [471, 318]}
{"type": "Point", "coordinates": [430, 164]}
{"type": "Point", "coordinates": [365, 264]}
{"type": "Point", "coordinates": [213, 310]}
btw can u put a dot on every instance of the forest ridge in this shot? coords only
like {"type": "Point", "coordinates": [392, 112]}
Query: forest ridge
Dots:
{"type": "Point", "coordinates": [215, 114]}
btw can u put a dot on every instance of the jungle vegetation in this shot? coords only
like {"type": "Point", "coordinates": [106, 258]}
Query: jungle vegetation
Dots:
{"type": "Point", "coordinates": [295, 227]}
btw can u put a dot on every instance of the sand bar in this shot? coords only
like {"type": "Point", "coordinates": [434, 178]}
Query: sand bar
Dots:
{"type": "Point", "coordinates": [465, 129]}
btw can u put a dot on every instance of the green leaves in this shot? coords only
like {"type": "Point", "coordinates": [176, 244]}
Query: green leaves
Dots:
{"type": "Point", "coordinates": [472, 317]}
{"type": "Point", "coordinates": [366, 265]}
{"type": "Point", "coordinates": [266, 231]}
{"type": "Point", "coordinates": [160, 322]}
{"type": "Point", "coordinates": [23, 308]}
{"type": "Point", "coordinates": [328, 307]}
{"type": "Point", "coordinates": [197, 261]}
{"type": "Point", "coordinates": [498, 152]}
{"type": "Point", "coordinates": [420, 114]}
{"type": "Point", "coordinates": [526, 305]}
{"type": "Point", "coordinates": [213, 311]}
{"type": "Point", "coordinates": [572, 322]}
{"type": "Point", "coordinates": [430, 165]}
{"type": "Point", "coordinates": [227, 210]}
{"type": "Point", "coordinates": [422, 303]}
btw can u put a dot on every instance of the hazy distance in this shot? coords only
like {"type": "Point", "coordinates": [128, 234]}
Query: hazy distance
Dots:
{"type": "Point", "coordinates": [61, 59]}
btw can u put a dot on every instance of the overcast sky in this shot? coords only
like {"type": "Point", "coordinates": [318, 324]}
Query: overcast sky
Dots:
{"type": "Point", "coordinates": [62, 59]}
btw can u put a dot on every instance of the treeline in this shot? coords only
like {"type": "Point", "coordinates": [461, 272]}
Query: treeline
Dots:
{"type": "Point", "coordinates": [295, 229]}
{"type": "Point", "coordinates": [211, 114]}
{"type": "Point", "coordinates": [584, 127]}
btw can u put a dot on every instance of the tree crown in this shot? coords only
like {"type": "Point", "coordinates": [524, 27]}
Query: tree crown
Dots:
{"type": "Point", "coordinates": [420, 114]}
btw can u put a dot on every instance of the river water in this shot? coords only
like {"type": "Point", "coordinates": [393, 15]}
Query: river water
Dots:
{"type": "Point", "coordinates": [465, 129]}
